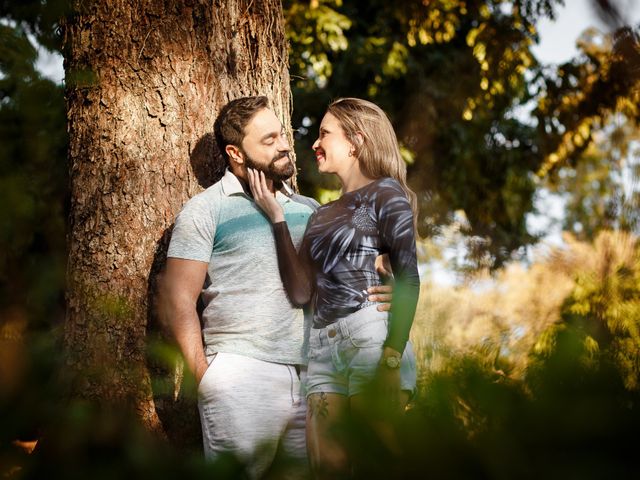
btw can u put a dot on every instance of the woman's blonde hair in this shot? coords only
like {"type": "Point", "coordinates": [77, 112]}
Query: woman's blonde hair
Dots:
{"type": "Point", "coordinates": [369, 130]}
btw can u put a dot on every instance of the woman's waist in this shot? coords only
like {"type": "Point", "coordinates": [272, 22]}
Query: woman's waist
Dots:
{"type": "Point", "coordinates": [325, 315]}
{"type": "Point", "coordinates": [343, 327]}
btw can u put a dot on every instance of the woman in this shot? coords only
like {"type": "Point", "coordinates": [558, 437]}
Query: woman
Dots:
{"type": "Point", "coordinates": [351, 342]}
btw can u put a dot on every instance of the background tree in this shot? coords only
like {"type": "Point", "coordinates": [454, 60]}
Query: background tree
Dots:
{"type": "Point", "coordinates": [601, 190]}
{"type": "Point", "coordinates": [33, 200]}
{"type": "Point", "coordinates": [450, 74]}
{"type": "Point", "coordinates": [455, 78]}
{"type": "Point", "coordinates": [595, 162]}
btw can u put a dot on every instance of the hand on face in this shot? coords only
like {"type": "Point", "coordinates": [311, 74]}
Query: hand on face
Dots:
{"type": "Point", "coordinates": [263, 196]}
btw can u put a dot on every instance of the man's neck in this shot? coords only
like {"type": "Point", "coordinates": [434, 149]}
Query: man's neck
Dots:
{"type": "Point", "coordinates": [244, 182]}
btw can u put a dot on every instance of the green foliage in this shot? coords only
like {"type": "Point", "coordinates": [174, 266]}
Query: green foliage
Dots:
{"type": "Point", "coordinates": [568, 418]}
{"type": "Point", "coordinates": [33, 197]}
{"type": "Point", "coordinates": [470, 423]}
{"type": "Point", "coordinates": [321, 29]}
{"type": "Point", "coordinates": [584, 93]}
{"type": "Point", "coordinates": [86, 440]}
{"type": "Point", "coordinates": [40, 18]}
{"type": "Point", "coordinates": [33, 180]}
{"type": "Point", "coordinates": [452, 76]}
{"type": "Point", "coordinates": [601, 190]}
{"type": "Point", "coordinates": [603, 310]}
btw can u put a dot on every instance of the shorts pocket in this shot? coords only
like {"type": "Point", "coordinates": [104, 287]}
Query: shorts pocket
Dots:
{"type": "Point", "coordinates": [211, 359]}
{"type": "Point", "coordinates": [370, 334]}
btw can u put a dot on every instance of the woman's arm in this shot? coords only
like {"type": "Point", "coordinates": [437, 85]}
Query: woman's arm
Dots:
{"type": "Point", "coordinates": [295, 271]}
{"type": "Point", "coordinates": [398, 238]}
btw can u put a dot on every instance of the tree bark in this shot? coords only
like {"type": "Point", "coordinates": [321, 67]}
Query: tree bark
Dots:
{"type": "Point", "coordinates": [145, 80]}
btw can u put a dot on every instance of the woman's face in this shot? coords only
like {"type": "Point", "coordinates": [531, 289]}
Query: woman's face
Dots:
{"type": "Point", "coordinates": [332, 147]}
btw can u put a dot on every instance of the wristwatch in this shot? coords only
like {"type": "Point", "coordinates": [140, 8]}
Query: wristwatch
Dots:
{"type": "Point", "coordinates": [391, 361]}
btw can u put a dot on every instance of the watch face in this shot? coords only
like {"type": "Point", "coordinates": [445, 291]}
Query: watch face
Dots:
{"type": "Point", "coordinates": [392, 362]}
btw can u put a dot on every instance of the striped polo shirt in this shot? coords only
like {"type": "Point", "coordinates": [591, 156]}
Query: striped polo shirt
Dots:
{"type": "Point", "coordinates": [246, 308]}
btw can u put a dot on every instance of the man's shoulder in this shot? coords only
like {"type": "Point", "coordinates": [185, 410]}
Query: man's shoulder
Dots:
{"type": "Point", "coordinates": [205, 199]}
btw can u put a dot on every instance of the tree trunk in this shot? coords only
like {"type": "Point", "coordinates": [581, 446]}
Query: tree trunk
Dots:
{"type": "Point", "coordinates": [145, 80]}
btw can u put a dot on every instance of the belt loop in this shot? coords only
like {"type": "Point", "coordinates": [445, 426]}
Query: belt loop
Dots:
{"type": "Point", "coordinates": [344, 330]}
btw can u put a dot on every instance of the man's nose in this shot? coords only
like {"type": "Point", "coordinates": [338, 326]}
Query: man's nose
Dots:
{"type": "Point", "coordinates": [316, 144]}
{"type": "Point", "coordinates": [284, 143]}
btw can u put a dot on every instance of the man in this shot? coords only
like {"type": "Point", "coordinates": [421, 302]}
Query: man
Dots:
{"type": "Point", "coordinates": [248, 369]}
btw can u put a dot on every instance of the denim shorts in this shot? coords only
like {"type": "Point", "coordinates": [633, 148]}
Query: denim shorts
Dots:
{"type": "Point", "coordinates": [344, 356]}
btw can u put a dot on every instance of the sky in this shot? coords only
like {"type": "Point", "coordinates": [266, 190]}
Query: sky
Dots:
{"type": "Point", "coordinates": [558, 45]}
{"type": "Point", "coordinates": [558, 38]}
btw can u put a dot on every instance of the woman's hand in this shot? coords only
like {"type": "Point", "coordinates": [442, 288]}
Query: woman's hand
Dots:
{"type": "Point", "coordinates": [263, 196]}
{"type": "Point", "coordinates": [388, 380]}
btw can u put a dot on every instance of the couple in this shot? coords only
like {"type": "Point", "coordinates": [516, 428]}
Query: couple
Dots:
{"type": "Point", "coordinates": [262, 254]}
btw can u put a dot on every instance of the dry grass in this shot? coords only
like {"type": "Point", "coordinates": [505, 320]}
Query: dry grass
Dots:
{"type": "Point", "coordinates": [499, 318]}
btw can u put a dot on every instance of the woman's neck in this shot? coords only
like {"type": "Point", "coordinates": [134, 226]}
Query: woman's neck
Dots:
{"type": "Point", "coordinates": [354, 180]}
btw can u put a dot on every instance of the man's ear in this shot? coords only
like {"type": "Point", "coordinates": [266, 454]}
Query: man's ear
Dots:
{"type": "Point", "coordinates": [234, 154]}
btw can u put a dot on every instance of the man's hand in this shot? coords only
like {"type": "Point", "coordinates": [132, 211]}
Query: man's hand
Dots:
{"type": "Point", "coordinates": [200, 370]}
{"type": "Point", "coordinates": [264, 197]}
{"type": "Point", "coordinates": [382, 294]}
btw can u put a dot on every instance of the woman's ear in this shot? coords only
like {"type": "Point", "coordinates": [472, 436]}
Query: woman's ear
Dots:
{"type": "Point", "coordinates": [356, 145]}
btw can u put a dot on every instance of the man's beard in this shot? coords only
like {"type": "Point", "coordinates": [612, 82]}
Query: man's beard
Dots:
{"type": "Point", "coordinates": [271, 171]}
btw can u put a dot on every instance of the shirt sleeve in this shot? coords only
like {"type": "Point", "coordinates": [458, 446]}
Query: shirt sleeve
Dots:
{"type": "Point", "coordinates": [294, 267]}
{"type": "Point", "coordinates": [194, 232]}
{"type": "Point", "coordinates": [397, 235]}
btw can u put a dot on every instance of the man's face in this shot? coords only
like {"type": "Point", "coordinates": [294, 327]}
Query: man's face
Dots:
{"type": "Point", "coordinates": [265, 146]}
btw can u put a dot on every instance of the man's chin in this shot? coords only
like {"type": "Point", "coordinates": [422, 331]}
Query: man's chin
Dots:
{"type": "Point", "coordinates": [280, 175]}
{"type": "Point", "coordinates": [278, 178]}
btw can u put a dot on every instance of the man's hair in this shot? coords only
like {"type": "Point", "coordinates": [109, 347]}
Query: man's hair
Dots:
{"type": "Point", "coordinates": [234, 116]}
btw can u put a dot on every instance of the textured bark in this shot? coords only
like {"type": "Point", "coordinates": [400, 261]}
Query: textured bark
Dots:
{"type": "Point", "coordinates": [145, 80]}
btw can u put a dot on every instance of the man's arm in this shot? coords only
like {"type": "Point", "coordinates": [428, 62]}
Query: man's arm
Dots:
{"type": "Point", "coordinates": [179, 289]}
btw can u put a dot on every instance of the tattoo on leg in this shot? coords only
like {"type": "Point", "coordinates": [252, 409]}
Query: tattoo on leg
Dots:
{"type": "Point", "coordinates": [318, 405]}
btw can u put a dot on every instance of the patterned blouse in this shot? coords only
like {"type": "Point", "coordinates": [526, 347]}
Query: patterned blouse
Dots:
{"type": "Point", "coordinates": [338, 252]}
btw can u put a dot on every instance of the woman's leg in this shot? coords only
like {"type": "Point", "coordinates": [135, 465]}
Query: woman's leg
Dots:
{"type": "Point", "coordinates": [361, 404]}
{"type": "Point", "coordinates": [325, 443]}
{"type": "Point", "coordinates": [381, 418]}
